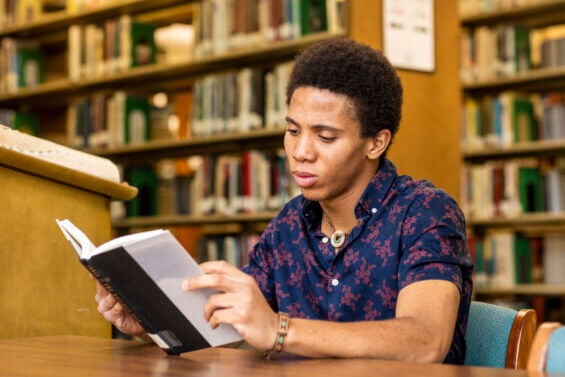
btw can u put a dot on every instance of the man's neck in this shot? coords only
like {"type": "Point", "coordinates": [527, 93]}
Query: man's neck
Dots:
{"type": "Point", "coordinates": [341, 210]}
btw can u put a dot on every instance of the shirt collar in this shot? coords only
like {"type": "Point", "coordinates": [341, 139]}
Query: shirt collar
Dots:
{"type": "Point", "coordinates": [372, 198]}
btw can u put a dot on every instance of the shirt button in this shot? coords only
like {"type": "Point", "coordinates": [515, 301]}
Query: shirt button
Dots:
{"type": "Point", "coordinates": [374, 210]}
{"type": "Point", "coordinates": [325, 240]}
{"type": "Point", "coordinates": [335, 282]}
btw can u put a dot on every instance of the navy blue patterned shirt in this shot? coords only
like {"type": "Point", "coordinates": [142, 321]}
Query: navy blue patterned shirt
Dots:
{"type": "Point", "coordinates": [408, 231]}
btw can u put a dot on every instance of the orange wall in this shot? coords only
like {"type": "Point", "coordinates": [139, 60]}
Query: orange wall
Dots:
{"type": "Point", "coordinates": [427, 145]}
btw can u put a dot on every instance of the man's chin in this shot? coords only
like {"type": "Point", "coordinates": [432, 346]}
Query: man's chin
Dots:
{"type": "Point", "coordinates": [312, 194]}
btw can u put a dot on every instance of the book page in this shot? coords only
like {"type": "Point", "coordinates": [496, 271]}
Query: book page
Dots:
{"type": "Point", "coordinates": [125, 240]}
{"type": "Point", "coordinates": [79, 241]}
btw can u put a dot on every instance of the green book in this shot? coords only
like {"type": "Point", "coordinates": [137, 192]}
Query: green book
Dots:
{"type": "Point", "coordinates": [146, 181]}
{"type": "Point", "coordinates": [522, 55]}
{"type": "Point", "coordinates": [143, 50]}
{"type": "Point", "coordinates": [522, 260]}
{"type": "Point", "coordinates": [523, 123]}
{"type": "Point", "coordinates": [530, 189]}
{"type": "Point", "coordinates": [30, 67]}
{"type": "Point", "coordinates": [137, 128]}
{"type": "Point", "coordinates": [26, 123]}
{"type": "Point", "coordinates": [313, 16]}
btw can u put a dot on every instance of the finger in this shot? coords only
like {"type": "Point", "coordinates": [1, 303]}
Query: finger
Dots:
{"type": "Point", "coordinates": [220, 282]}
{"type": "Point", "coordinates": [226, 316]}
{"type": "Point", "coordinates": [220, 301]}
{"type": "Point", "coordinates": [220, 267]}
{"type": "Point", "coordinates": [106, 304]}
{"type": "Point", "coordinates": [101, 292]}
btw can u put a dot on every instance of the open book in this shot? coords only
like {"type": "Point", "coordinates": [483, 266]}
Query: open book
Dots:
{"type": "Point", "coordinates": [144, 271]}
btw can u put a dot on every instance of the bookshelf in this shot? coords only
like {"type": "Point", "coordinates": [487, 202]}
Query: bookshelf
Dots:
{"type": "Point", "coordinates": [535, 12]}
{"type": "Point", "coordinates": [61, 20]}
{"type": "Point", "coordinates": [514, 229]}
{"type": "Point", "coordinates": [61, 91]}
{"type": "Point", "coordinates": [175, 220]}
{"type": "Point", "coordinates": [222, 143]}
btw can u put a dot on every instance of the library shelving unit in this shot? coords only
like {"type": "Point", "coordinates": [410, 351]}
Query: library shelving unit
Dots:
{"type": "Point", "coordinates": [51, 97]}
{"type": "Point", "coordinates": [534, 14]}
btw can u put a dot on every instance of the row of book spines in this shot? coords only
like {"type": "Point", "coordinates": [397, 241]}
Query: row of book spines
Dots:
{"type": "Point", "coordinates": [490, 52]}
{"type": "Point", "coordinates": [511, 188]}
{"type": "Point", "coordinates": [474, 7]}
{"type": "Point", "coordinates": [228, 184]}
{"type": "Point", "coordinates": [20, 12]}
{"type": "Point", "coordinates": [108, 120]}
{"type": "Point", "coordinates": [116, 46]}
{"type": "Point", "coordinates": [232, 248]}
{"type": "Point", "coordinates": [505, 258]}
{"type": "Point", "coordinates": [510, 118]}
{"type": "Point", "coordinates": [22, 65]}
{"type": "Point", "coordinates": [240, 101]}
{"type": "Point", "coordinates": [21, 121]}
{"type": "Point", "coordinates": [223, 25]}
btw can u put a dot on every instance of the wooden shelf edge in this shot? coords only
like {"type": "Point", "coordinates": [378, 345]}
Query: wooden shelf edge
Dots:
{"type": "Point", "coordinates": [184, 146]}
{"type": "Point", "coordinates": [61, 19]}
{"type": "Point", "coordinates": [526, 219]}
{"type": "Point", "coordinates": [171, 220]}
{"type": "Point", "coordinates": [524, 78]}
{"type": "Point", "coordinates": [531, 148]}
{"type": "Point", "coordinates": [514, 13]}
{"type": "Point", "coordinates": [523, 289]}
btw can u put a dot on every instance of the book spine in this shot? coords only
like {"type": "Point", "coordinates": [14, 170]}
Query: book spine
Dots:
{"type": "Point", "coordinates": [105, 281]}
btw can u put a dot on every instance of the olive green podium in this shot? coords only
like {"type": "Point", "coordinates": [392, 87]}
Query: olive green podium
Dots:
{"type": "Point", "coordinates": [43, 288]}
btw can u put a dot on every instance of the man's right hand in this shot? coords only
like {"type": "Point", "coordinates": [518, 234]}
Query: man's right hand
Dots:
{"type": "Point", "coordinates": [115, 313]}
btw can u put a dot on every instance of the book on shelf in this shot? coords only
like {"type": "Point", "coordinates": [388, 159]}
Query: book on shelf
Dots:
{"type": "Point", "coordinates": [145, 203]}
{"type": "Point", "coordinates": [22, 64]}
{"type": "Point", "coordinates": [144, 272]}
{"type": "Point", "coordinates": [513, 187]}
{"type": "Point", "coordinates": [225, 25]}
{"type": "Point", "coordinates": [554, 259]}
{"type": "Point", "coordinates": [109, 120]}
{"type": "Point", "coordinates": [512, 117]}
{"type": "Point", "coordinates": [503, 259]}
{"type": "Point", "coordinates": [249, 182]}
{"type": "Point", "coordinates": [20, 121]}
{"type": "Point", "coordinates": [115, 46]}
{"type": "Point", "coordinates": [232, 248]}
{"type": "Point", "coordinates": [492, 52]}
{"type": "Point", "coordinates": [240, 101]}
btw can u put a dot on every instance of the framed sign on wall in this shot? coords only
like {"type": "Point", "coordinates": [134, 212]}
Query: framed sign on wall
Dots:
{"type": "Point", "coordinates": [408, 34]}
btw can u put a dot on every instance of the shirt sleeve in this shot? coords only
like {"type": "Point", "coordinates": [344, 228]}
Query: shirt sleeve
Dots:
{"type": "Point", "coordinates": [260, 265]}
{"type": "Point", "coordinates": [434, 244]}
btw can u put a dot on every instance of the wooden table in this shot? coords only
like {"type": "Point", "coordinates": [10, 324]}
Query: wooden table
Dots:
{"type": "Point", "coordinates": [84, 356]}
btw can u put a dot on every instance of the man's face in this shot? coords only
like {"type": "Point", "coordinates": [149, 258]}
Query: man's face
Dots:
{"type": "Point", "coordinates": [327, 157]}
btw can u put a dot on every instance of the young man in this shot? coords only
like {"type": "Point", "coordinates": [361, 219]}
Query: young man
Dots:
{"type": "Point", "coordinates": [365, 263]}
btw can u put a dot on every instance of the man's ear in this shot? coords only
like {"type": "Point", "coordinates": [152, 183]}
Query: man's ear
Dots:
{"type": "Point", "coordinates": [378, 144]}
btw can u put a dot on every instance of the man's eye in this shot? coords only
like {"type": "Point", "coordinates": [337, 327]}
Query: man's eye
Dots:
{"type": "Point", "coordinates": [292, 131]}
{"type": "Point", "coordinates": [327, 139]}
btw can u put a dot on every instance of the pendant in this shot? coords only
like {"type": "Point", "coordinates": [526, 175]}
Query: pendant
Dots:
{"type": "Point", "coordinates": [338, 238]}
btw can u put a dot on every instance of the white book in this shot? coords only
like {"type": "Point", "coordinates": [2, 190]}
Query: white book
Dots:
{"type": "Point", "coordinates": [144, 271]}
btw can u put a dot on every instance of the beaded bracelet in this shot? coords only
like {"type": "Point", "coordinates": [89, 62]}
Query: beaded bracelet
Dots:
{"type": "Point", "coordinates": [282, 331]}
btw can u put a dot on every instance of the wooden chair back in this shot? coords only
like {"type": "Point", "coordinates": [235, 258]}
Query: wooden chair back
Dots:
{"type": "Point", "coordinates": [538, 354]}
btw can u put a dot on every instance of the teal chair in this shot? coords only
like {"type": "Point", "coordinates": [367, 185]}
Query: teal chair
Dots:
{"type": "Point", "coordinates": [498, 337]}
{"type": "Point", "coordinates": [548, 349]}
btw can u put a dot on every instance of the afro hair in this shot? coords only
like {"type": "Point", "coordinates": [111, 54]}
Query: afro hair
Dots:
{"type": "Point", "coordinates": [357, 71]}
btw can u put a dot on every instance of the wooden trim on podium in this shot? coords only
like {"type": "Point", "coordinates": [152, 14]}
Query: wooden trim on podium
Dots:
{"type": "Point", "coordinates": [66, 175]}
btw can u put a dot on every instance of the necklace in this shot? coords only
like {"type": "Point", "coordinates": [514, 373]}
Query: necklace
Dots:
{"type": "Point", "coordinates": [338, 236]}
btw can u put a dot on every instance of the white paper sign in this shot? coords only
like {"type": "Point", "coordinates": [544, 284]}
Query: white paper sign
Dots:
{"type": "Point", "coordinates": [408, 34]}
